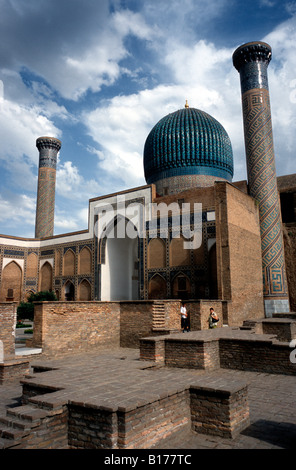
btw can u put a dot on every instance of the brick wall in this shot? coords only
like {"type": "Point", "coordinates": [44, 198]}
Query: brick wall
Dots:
{"type": "Point", "coordinates": [200, 310]}
{"type": "Point", "coordinates": [219, 409]}
{"type": "Point", "coordinates": [135, 322]}
{"type": "Point", "coordinates": [138, 427]}
{"type": "Point", "coordinates": [192, 354]}
{"type": "Point", "coordinates": [71, 327]}
{"type": "Point", "coordinates": [239, 261]}
{"type": "Point", "coordinates": [256, 355]}
{"type": "Point", "coordinates": [61, 327]}
{"type": "Point", "coordinates": [7, 330]}
{"type": "Point", "coordinates": [142, 427]}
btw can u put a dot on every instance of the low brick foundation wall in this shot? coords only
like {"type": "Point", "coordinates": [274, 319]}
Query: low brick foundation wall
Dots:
{"type": "Point", "coordinates": [258, 355]}
{"type": "Point", "coordinates": [211, 408]}
{"type": "Point", "coordinates": [283, 329]}
{"type": "Point", "coordinates": [13, 370]}
{"type": "Point", "coordinates": [142, 427]}
{"type": "Point", "coordinates": [152, 349]}
{"type": "Point", "coordinates": [130, 427]}
{"type": "Point", "coordinates": [92, 427]}
{"type": "Point", "coordinates": [219, 409]}
{"type": "Point", "coordinates": [192, 354]}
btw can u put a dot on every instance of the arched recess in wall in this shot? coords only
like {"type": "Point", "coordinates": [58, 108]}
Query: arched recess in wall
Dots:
{"type": "Point", "coordinates": [69, 263]}
{"type": "Point", "coordinates": [32, 265]}
{"type": "Point", "coordinates": [119, 271]}
{"type": "Point", "coordinates": [157, 288]}
{"type": "Point", "coordinates": [28, 293]}
{"type": "Point", "coordinates": [179, 256]}
{"type": "Point", "coordinates": [156, 253]}
{"type": "Point", "coordinates": [213, 284]}
{"type": "Point", "coordinates": [84, 290]}
{"type": "Point", "coordinates": [85, 261]}
{"type": "Point", "coordinates": [69, 291]}
{"type": "Point", "coordinates": [181, 288]}
{"type": "Point", "coordinates": [11, 285]}
{"type": "Point", "coordinates": [46, 277]}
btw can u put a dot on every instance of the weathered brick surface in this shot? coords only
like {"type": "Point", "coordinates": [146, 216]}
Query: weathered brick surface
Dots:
{"type": "Point", "coordinates": [92, 427]}
{"type": "Point", "coordinates": [13, 369]}
{"type": "Point", "coordinates": [152, 349]}
{"type": "Point", "coordinates": [40, 429]}
{"type": "Point", "coordinates": [283, 329]}
{"type": "Point", "coordinates": [263, 355]}
{"type": "Point", "coordinates": [135, 322]}
{"type": "Point", "coordinates": [221, 410]}
{"type": "Point", "coordinates": [95, 427]}
{"type": "Point", "coordinates": [239, 261]}
{"type": "Point", "coordinates": [7, 330]}
{"type": "Point", "coordinates": [193, 354]}
{"type": "Point", "coordinates": [199, 312]}
{"type": "Point", "coordinates": [67, 327]}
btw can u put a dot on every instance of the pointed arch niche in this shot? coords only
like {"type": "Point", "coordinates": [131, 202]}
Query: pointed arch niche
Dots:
{"type": "Point", "coordinates": [85, 261]}
{"type": "Point", "coordinates": [157, 288]}
{"type": "Point", "coordinates": [32, 265]}
{"type": "Point", "coordinates": [84, 290]}
{"type": "Point", "coordinates": [46, 277]}
{"type": "Point", "coordinates": [11, 285]}
{"type": "Point", "coordinates": [179, 256]}
{"type": "Point", "coordinates": [156, 253]}
{"type": "Point", "coordinates": [69, 263]}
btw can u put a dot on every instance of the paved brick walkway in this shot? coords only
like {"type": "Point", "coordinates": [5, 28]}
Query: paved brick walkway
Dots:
{"type": "Point", "coordinates": [119, 376]}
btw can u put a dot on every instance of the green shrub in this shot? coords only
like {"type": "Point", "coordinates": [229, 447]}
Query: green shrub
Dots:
{"type": "Point", "coordinates": [25, 310]}
{"type": "Point", "coordinates": [42, 296]}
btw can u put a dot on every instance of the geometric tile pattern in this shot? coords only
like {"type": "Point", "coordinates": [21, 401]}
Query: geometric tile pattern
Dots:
{"type": "Point", "coordinates": [45, 203]}
{"type": "Point", "coordinates": [252, 62]}
{"type": "Point", "coordinates": [48, 149]}
{"type": "Point", "coordinates": [263, 187]}
{"type": "Point", "coordinates": [187, 142]}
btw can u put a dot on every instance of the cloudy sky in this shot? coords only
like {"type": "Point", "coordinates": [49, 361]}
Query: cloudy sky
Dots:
{"type": "Point", "coordinates": [99, 74]}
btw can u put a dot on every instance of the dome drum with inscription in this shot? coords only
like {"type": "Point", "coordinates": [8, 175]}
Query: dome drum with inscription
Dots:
{"type": "Point", "coordinates": [187, 148]}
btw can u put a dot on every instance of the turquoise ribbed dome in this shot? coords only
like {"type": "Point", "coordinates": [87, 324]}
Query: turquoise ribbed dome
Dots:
{"type": "Point", "coordinates": [187, 142]}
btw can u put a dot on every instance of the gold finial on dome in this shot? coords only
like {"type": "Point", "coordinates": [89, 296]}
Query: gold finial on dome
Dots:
{"type": "Point", "coordinates": [186, 104]}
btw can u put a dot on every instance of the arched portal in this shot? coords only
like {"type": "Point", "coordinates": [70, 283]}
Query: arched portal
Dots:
{"type": "Point", "coordinates": [119, 272]}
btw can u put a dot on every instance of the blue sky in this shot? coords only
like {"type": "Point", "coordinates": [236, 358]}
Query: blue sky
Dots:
{"type": "Point", "coordinates": [99, 74]}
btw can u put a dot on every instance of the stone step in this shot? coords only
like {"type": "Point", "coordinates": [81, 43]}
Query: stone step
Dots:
{"type": "Point", "coordinates": [5, 443]}
{"type": "Point", "coordinates": [11, 433]}
{"type": "Point", "coordinates": [28, 413]}
{"type": "Point", "coordinates": [17, 422]}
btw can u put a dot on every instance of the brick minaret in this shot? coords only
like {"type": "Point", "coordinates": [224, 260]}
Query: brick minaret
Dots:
{"type": "Point", "coordinates": [48, 149]}
{"type": "Point", "coordinates": [251, 60]}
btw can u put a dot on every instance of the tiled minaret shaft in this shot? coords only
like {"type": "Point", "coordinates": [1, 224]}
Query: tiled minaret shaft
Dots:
{"type": "Point", "coordinates": [48, 150]}
{"type": "Point", "coordinates": [252, 60]}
